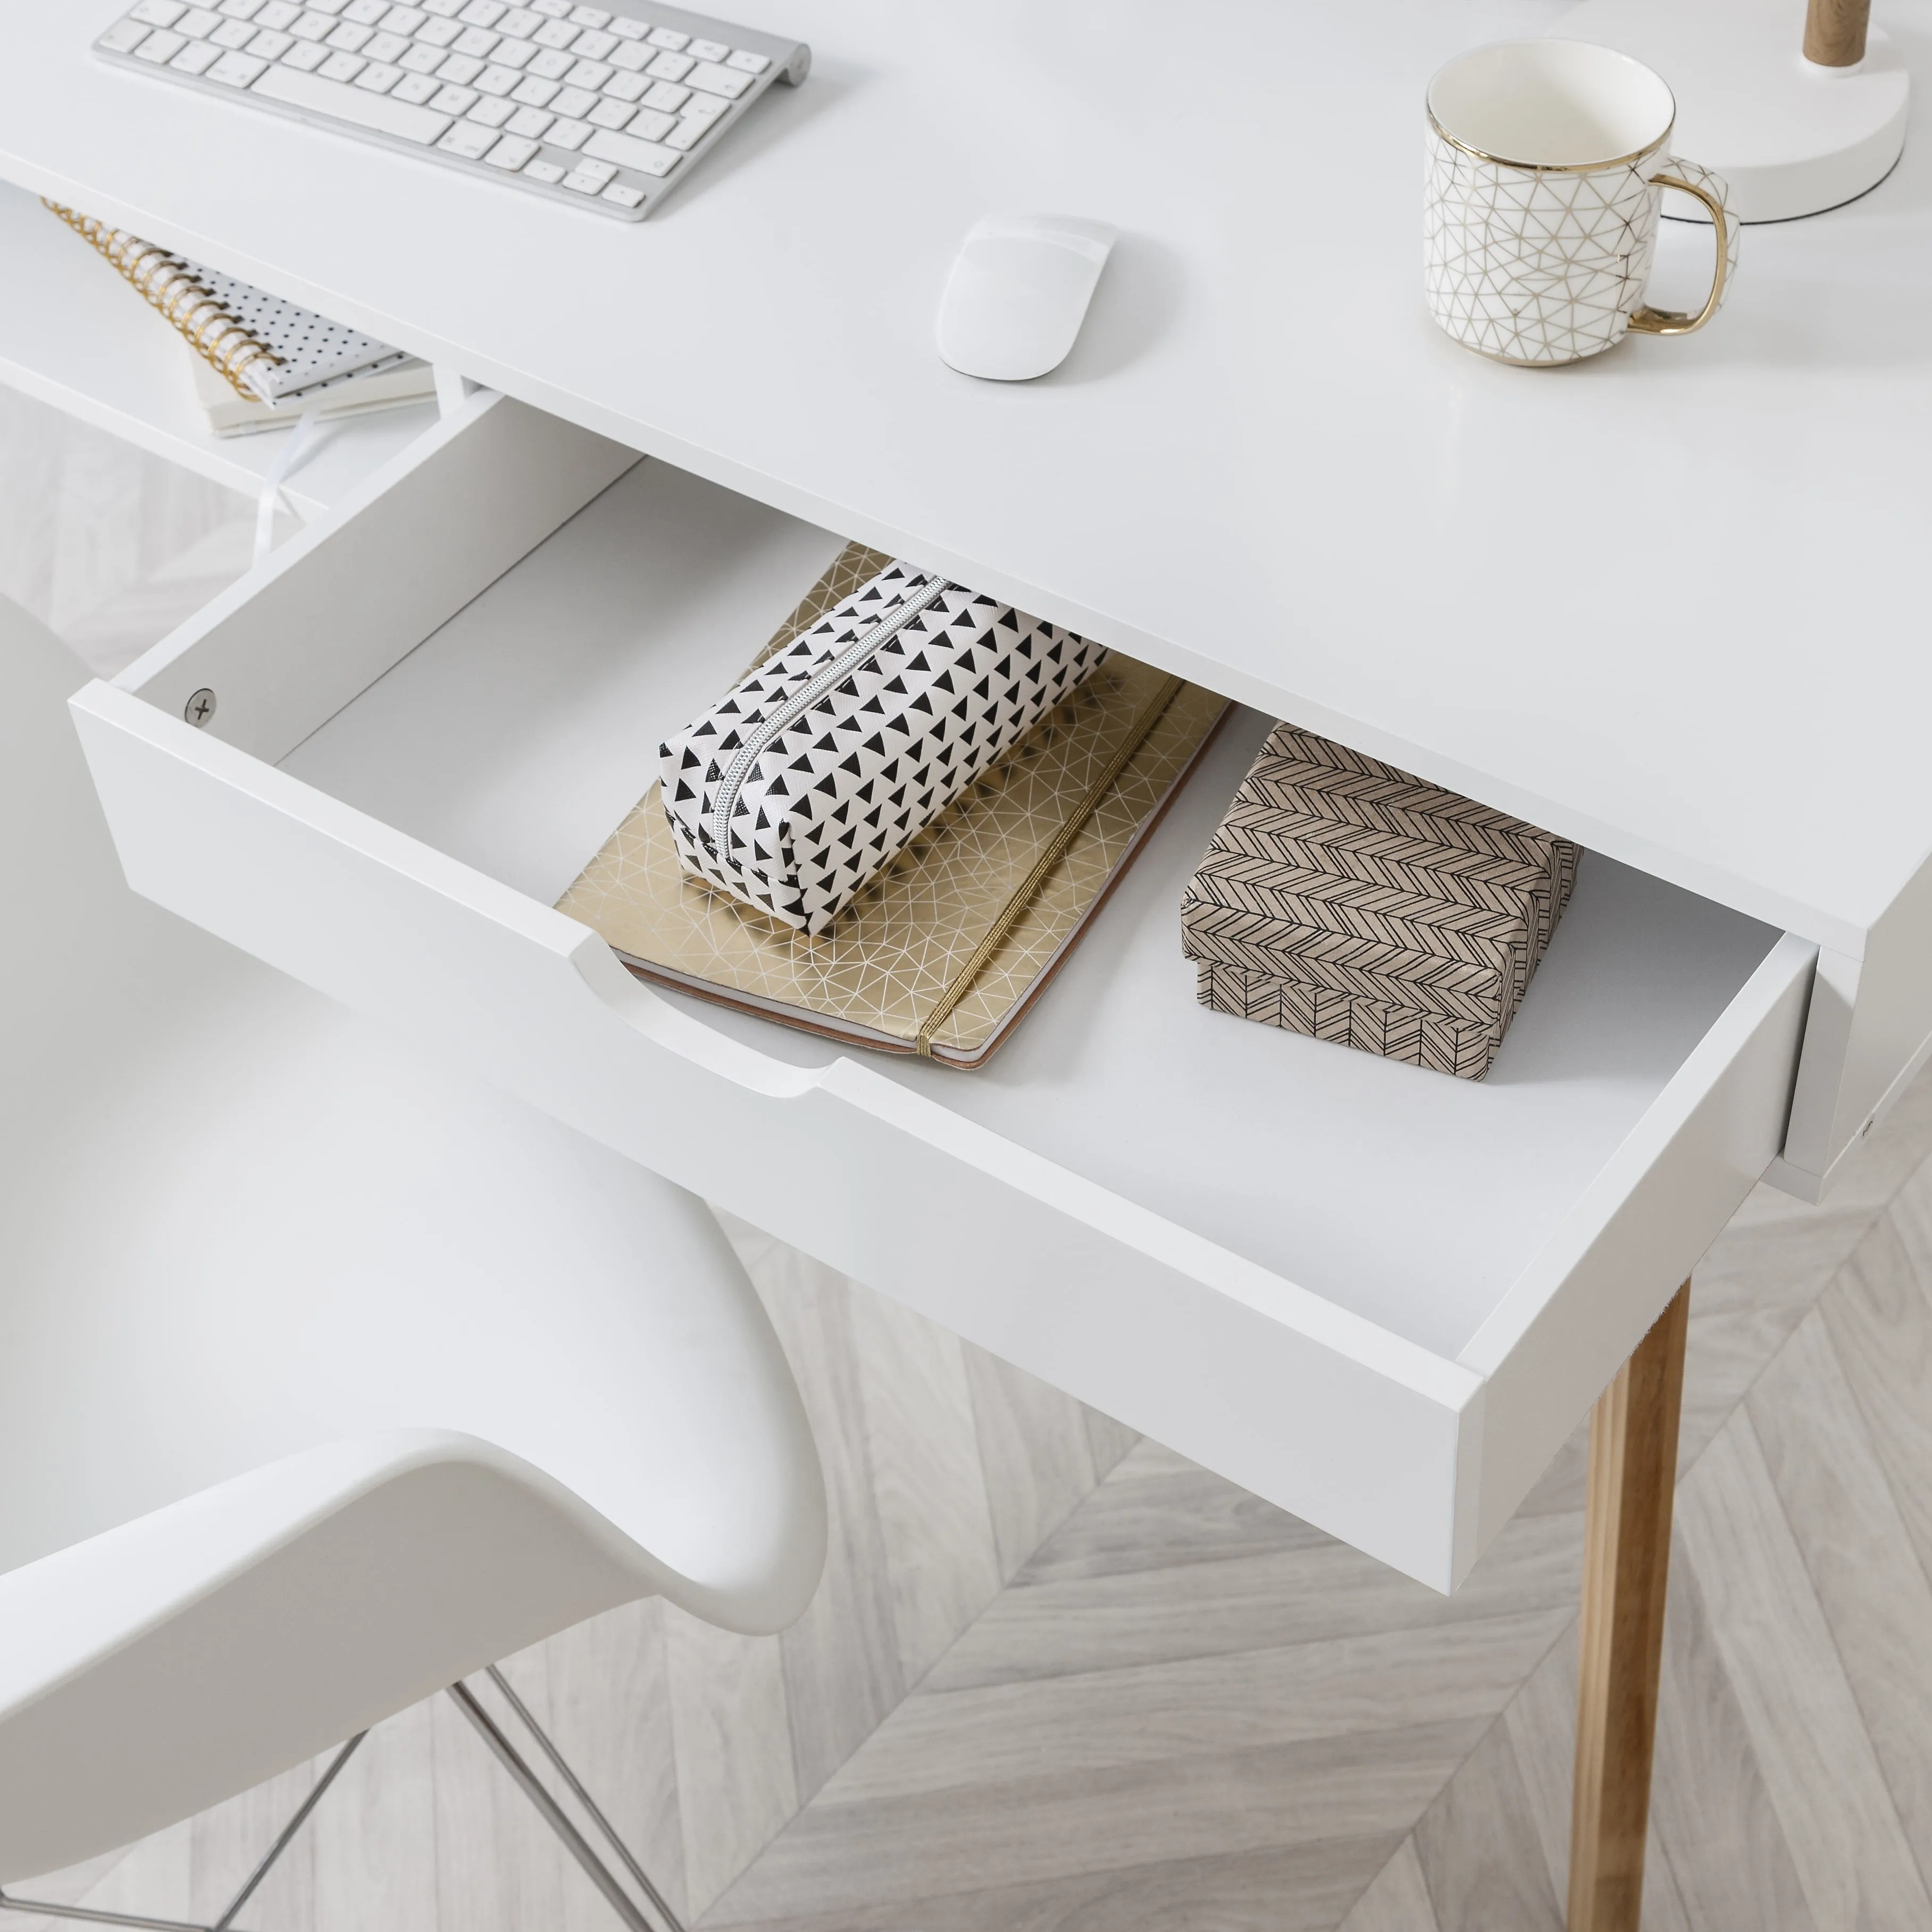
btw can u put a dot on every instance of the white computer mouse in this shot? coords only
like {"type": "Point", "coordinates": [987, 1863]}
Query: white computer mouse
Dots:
{"type": "Point", "coordinates": [1019, 293]}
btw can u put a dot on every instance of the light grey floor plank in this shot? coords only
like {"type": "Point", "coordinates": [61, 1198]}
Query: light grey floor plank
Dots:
{"type": "Point", "coordinates": [1711, 1814]}
{"type": "Point", "coordinates": [1157, 1510]}
{"type": "Point", "coordinates": [736, 1786]}
{"type": "Point", "coordinates": [1068, 1727]}
{"type": "Point", "coordinates": [834, 1858]}
{"type": "Point", "coordinates": [1397, 1900]}
{"type": "Point", "coordinates": [841, 1659]}
{"type": "Point", "coordinates": [1813, 1752]}
{"type": "Point", "coordinates": [927, 1478]}
{"type": "Point", "coordinates": [374, 1834]}
{"type": "Point", "coordinates": [1035, 1454]}
{"type": "Point", "coordinates": [1300, 1888]}
{"type": "Point", "coordinates": [1107, 1441]}
{"type": "Point", "coordinates": [1321, 1590]}
{"type": "Point", "coordinates": [1477, 1845]}
{"type": "Point", "coordinates": [230, 1841]}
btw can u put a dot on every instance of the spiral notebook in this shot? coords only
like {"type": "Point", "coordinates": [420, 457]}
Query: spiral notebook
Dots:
{"type": "Point", "coordinates": [271, 352]}
{"type": "Point", "coordinates": [946, 951]}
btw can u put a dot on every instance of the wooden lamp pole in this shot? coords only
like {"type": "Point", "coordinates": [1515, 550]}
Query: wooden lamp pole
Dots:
{"type": "Point", "coordinates": [1834, 31]}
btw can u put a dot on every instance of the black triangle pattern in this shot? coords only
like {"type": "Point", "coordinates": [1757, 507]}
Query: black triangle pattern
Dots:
{"type": "Point", "coordinates": [838, 790]}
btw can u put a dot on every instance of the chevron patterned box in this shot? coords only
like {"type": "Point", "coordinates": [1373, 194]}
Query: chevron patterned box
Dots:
{"type": "Point", "coordinates": [1348, 900]}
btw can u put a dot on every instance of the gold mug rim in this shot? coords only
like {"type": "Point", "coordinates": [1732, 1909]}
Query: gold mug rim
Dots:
{"type": "Point", "coordinates": [1629, 161]}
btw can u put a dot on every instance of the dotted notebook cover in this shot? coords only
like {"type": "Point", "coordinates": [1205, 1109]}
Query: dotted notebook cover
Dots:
{"type": "Point", "coordinates": [311, 351]}
{"type": "Point", "coordinates": [898, 956]}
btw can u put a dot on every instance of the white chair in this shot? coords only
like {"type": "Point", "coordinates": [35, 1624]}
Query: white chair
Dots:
{"type": "Point", "coordinates": [326, 1376]}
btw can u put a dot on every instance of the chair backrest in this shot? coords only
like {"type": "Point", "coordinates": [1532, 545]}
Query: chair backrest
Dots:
{"type": "Point", "coordinates": [343, 1373]}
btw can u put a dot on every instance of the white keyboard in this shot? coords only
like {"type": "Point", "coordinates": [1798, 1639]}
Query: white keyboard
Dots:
{"type": "Point", "coordinates": [606, 110]}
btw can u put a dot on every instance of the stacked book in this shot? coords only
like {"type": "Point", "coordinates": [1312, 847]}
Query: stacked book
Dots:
{"type": "Point", "coordinates": [258, 362]}
{"type": "Point", "coordinates": [1350, 901]}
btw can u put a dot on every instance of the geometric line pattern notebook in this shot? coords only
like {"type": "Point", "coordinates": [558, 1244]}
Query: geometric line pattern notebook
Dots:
{"type": "Point", "coordinates": [946, 951]}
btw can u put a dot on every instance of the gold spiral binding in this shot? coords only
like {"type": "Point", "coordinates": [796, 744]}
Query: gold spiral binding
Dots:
{"type": "Point", "coordinates": [172, 287]}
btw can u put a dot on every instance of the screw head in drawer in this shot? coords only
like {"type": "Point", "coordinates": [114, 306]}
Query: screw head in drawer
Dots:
{"type": "Point", "coordinates": [200, 708]}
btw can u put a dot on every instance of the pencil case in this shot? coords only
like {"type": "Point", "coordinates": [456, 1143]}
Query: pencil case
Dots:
{"type": "Point", "coordinates": [820, 767]}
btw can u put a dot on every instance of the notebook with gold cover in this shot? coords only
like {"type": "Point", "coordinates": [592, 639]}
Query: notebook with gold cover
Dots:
{"type": "Point", "coordinates": [946, 950]}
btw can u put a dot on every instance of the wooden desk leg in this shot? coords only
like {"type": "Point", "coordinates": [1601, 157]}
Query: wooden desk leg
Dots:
{"type": "Point", "coordinates": [1626, 1571]}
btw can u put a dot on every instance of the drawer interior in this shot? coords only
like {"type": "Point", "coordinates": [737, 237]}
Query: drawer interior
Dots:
{"type": "Point", "coordinates": [516, 736]}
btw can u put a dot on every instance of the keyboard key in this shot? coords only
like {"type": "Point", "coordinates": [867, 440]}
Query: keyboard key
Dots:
{"type": "Point", "coordinates": [197, 57]}
{"type": "Point", "coordinates": [594, 46]}
{"type": "Point", "coordinates": [349, 36]}
{"type": "Point", "coordinates": [669, 37]}
{"type": "Point", "coordinates": [420, 59]}
{"type": "Point", "coordinates": [510, 153]}
{"type": "Point", "coordinates": [233, 33]}
{"type": "Point", "coordinates": [468, 140]}
{"type": "Point", "coordinates": [365, 13]}
{"type": "Point", "coordinates": [313, 26]}
{"type": "Point", "coordinates": [628, 29]}
{"type": "Point", "coordinates": [557, 33]}
{"type": "Point", "coordinates": [161, 47]}
{"type": "Point", "coordinates": [582, 183]}
{"type": "Point", "coordinates": [547, 64]}
{"type": "Point", "coordinates": [475, 42]}
{"type": "Point", "coordinates": [528, 123]}
{"type": "Point", "coordinates": [277, 14]}
{"type": "Point", "coordinates": [590, 16]}
{"type": "Point", "coordinates": [632, 55]}
{"type": "Point", "coordinates": [386, 46]}
{"type": "Point", "coordinates": [625, 197]}
{"type": "Point", "coordinates": [546, 171]}
{"type": "Point", "coordinates": [497, 80]}
{"type": "Point", "coordinates": [487, 113]}
{"type": "Point", "coordinates": [378, 77]}
{"type": "Point", "coordinates": [671, 67]}
{"type": "Point", "coordinates": [416, 88]}
{"type": "Point", "coordinates": [445, 10]}
{"type": "Point", "coordinates": [533, 92]}
{"type": "Point", "coordinates": [590, 74]}
{"type": "Point", "coordinates": [304, 56]}
{"type": "Point", "coordinates": [342, 66]}
{"type": "Point", "coordinates": [242, 9]}
{"type": "Point", "coordinates": [573, 103]}
{"type": "Point", "coordinates": [555, 10]}
{"type": "Point", "coordinates": [624, 87]}
{"type": "Point", "coordinates": [646, 156]}
{"type": "Point", "coordinates": [483, 13]}
{"type": "Point", "coordinates": [438, 33]}
{"type": "Point", "coordinates": [707, 50]}
{"type": "Point", "coordinates": [688, 133]}
{"type": "Point", "coordinates": [746, 62]}
{"type": "Point", "coordinates": [459, 70]}
{"type": "Point", "coordinates": [234, 70]}
{"type": "Point", "coordinates": [611, 113]}
{"type": "Point", "coordinates": [270, 46]}
{"type": "Point", "coordinates": [402, 20]}
{"type": "Point", "coordinates": [514, 55]}
{"type": "Point", "coordinates": [156, 13]}
{"type": "Point", "coordinates": [570, 135]}
{"type": "Point", "coordinates": [330, 7]}
{"type": "Point", "coordinates": [705, 107]}
{"type": "Point", "coordinates": [666, 96]}
{"type": "Point", "coordinates": [709, 78]}
{"type": "Point", "coordinates": [198, 23]}
{"type": "Point", "coordinates": [450, 100]}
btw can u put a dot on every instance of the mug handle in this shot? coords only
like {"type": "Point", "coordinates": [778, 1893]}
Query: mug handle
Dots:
{"type": "Point", "coordinates": [1702, 185]}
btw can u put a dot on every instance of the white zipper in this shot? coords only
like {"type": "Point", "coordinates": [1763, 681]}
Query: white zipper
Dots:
{"type": "Point", "coordinates": [795, 707]}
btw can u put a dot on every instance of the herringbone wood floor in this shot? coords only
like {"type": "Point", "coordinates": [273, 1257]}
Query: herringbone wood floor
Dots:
{"type": "Point", "coordinates": [1058, 1680]}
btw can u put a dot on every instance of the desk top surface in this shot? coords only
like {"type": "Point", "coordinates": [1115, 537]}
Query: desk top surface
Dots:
{"type": "Point", "coordinates": [1669, 602]}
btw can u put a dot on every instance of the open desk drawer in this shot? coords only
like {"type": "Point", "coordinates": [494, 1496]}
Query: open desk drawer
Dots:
{"type": "Point", "coordinates": [1378, 1296]}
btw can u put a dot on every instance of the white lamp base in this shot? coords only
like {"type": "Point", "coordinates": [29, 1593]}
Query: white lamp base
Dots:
{"type": "Point", "coordinates": [1789, 137]}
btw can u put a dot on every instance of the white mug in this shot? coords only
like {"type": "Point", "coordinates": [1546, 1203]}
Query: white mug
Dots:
{"type": "Point", "coordinates": [1546, 169]}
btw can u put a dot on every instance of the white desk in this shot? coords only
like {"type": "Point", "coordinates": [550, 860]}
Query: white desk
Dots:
{"type": "Point", "coordinates": [1662, 603]}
